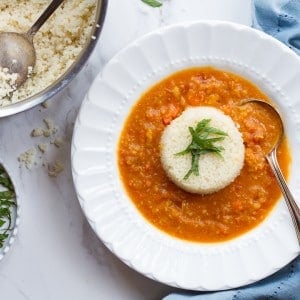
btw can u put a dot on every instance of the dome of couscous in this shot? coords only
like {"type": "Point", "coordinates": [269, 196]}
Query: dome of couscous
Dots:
{"type": "Point", "coordinates": [215, 171]}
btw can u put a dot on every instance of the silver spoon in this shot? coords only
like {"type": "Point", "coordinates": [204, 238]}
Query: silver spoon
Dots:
{"type": "Point", "coordinates": [17, 52]}
{"type": "Point", "coordinates": [271, 157]}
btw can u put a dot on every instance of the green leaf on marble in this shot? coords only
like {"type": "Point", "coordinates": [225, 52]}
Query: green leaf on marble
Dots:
{"type": "Point", "coordinates": [153, 3]}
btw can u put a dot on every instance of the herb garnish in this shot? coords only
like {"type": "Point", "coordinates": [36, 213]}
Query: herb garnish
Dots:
{"type": "Point", "coordinates": [153, 3]}
{"type": "Point", "coordinates": [7, 196]}
{"type": "Point", "coordinates": [202, 143]}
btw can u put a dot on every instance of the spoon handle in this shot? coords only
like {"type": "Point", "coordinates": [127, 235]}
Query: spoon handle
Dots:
{"type": "Point", "coordinates": [43, 17]}
{"type": "Point", "coordinates": [288, 197]}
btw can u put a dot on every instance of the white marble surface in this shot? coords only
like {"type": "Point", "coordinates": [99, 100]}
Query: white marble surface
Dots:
{"type": "Point", "coordinates": [56, 255]}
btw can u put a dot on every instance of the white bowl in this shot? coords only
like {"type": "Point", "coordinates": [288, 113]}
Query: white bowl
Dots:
{"type": "Point", "coordinates": [196, 266]}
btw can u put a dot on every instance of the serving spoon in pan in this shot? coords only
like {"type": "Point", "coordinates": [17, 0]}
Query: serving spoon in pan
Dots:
{"type": "Point", "coordinates": [271, 157]}
{"type": "Point", "coordinates": [17, 52]}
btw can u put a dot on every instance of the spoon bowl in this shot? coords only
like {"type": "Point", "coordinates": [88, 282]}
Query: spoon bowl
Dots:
{"type": "Point", "coordinates": [270, 108]}
{"type": "Point", "coordinates": [17, 52]}
{"type": "Point", "coordinates": [271, 157]}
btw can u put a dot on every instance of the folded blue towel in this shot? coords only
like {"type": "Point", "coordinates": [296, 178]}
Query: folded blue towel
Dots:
{"type": "Point", "coordinates": [284, 285]}
{"type": "Point", "coordinates": [281, 19]}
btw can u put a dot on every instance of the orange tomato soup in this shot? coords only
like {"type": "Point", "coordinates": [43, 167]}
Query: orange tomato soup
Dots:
{"type": "Point", "coordinates": [220, 216]}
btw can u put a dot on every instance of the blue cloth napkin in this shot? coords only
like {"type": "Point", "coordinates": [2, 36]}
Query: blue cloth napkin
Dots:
{"type": "Point", "coordinates": [281, 19]}
{"type": "Point", "coordinates": [283, 285]}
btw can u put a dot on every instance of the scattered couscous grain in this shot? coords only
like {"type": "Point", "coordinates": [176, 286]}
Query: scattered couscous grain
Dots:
{"type": "Point", "coordinates": [42, 147]}
{"type": "Point", "coordinates": [58, 142]}
{"type": "Point", "coordinates": [27, 158]}
{"type": "Point", "coordinates": [55, 169]}
{"type": "Point", "coordinates": [37, 132]}
{"type": "Point", "coordinates": [46, 136]}
{"type": "Point", "coordinates": [51, 128]}
{"type": "Point", "coordinates": [50, 125]}
{"type": "Point", "coordinates": [46, 104]}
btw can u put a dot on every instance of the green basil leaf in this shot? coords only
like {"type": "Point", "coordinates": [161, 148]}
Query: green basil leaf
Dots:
{"type": "Point", "coordinates": [203, 139]}
{"type": "Point", "coordinates": [153, 3]}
